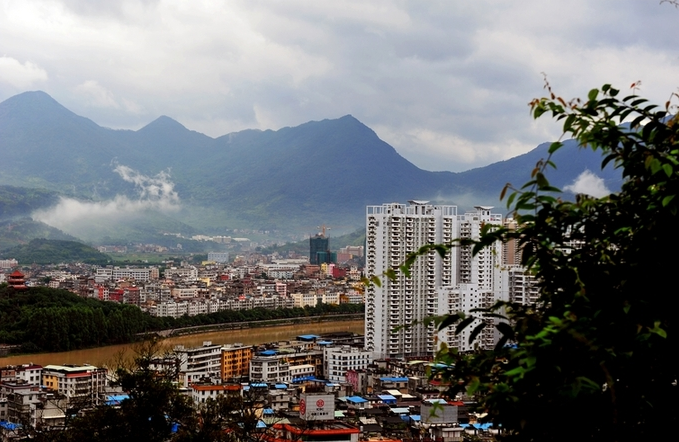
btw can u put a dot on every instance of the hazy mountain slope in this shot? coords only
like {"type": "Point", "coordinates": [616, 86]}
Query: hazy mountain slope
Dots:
{"type": "Point", "coordinates": [570, 162]}
{"type": "Point", "coordinates": [318, 167]}
{"type": "Point", "coordinates": [21, 201]}
{"type": "Point", "coordinates": [17, 232]}
{"type": "Point", "coordinates": [319, 172]}
{"type": "Point", "coordinates": [46, 251]}
{"type": "Point", "coordinates": [45, 144]}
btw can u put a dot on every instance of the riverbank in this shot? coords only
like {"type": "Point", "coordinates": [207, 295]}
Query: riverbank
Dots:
{"type": "Point", "coordinates": [255, 324]}
{"type": "Point", "coordinates": [106, 356]}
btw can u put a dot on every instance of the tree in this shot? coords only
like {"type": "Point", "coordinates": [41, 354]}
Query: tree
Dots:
{"type": "Point", "coordinates": [595, 357]}
{"type": "Point", "coordinates": [155, 410]}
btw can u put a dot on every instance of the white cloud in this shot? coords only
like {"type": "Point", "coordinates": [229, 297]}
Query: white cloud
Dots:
{"type": "Point", "coordinates": [96, 95]}
{"type": "Point", "coordinates": [19, 75]}
{"type": "Point", "coordinates": [589, 184]}
{"type": "Point", "coordinates": [154, 193]}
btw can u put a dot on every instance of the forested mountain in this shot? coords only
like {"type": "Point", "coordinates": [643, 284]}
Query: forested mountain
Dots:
{"type": "Point", "coordinates": [319, 172]}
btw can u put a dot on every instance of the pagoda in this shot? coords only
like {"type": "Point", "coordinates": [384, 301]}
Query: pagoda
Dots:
{"type": "Point", "coordinates": [16, 280]}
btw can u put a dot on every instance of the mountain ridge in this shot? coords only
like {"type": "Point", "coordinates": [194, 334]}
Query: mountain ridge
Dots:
{"type": "Point", "coordinates": [318, 172]}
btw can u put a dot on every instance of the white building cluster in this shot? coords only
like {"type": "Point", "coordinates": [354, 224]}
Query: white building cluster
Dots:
{"type": "Point", "coordinates": [437, 285]}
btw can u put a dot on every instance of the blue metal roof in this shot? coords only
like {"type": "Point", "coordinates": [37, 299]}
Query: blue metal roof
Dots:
{"type": "Point", "coordinates": [307, 337]}
{"type": "Point", "coordinates": [386, 397]}
{"type": "Point", "coordinates": [268, 353]}
{"type": "Point", "coordinates": [356, 399]}
{"type": "Point", "coordinates": [303, 379]}
{"type": "Point", "coordinates": [393, 379]}
{"type": "Point", "coordinates": [116, 399]}
{"type": "Point", "coordinates": [281, 386]}
{"type": "Point", "coordinates": [9, 425]}
{"type": "Point", "coordinates": [436, 400]}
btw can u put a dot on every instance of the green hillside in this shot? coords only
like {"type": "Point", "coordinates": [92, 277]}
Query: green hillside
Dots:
{"type": "Point", "coordinates": [50, 251]}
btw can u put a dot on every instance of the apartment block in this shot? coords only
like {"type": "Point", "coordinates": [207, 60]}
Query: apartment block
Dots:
{"type": "Point", "coordinates": [395, 310]}
{"type": "Point", "coordinates": [235, 362]}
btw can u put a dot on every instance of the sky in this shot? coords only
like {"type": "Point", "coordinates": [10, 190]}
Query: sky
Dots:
{"type": "Point", "coordinates": [447, 83]}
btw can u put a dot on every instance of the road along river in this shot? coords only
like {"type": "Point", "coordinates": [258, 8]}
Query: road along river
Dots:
{"type": "Point", "coordinates": [107, 356]}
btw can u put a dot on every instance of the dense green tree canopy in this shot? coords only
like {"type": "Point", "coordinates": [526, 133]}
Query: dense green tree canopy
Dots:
{"type": "Point", "coordinates": [595, 358]}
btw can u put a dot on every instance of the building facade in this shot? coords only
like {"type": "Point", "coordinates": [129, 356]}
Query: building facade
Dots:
{"type": "Point", "coordinates": [337, 361]}
{"type": "Point", "coordinates": [436, 285]}
{"type": "Point", "coordinates": [318, 244]}
{"type": "Point", "coordinates": [395, 309]}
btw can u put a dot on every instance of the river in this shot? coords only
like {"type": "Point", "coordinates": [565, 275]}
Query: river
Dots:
{"type": "Point", "coordinates": [102, 356]}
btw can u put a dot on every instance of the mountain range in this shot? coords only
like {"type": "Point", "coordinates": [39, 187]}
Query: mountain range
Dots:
{"type": "Point", "coordinates": [289, 179]}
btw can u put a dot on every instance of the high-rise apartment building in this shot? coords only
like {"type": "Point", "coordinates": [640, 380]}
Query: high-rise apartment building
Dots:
{"type": "Point", "coordinates": [458, 282]}
{"type": "Point", "coordinates": [395, 309]}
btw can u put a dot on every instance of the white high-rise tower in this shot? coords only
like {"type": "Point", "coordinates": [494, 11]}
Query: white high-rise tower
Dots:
{"type": "Point", "coordinates": [392, 232]}
{"type": "Point", "coordinates": [480, 284]}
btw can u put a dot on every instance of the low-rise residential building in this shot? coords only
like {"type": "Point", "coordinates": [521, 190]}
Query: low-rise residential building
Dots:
{"type": "Point", "coordinates": [141, 274]}
{"type": "Point", "coordinates": [339, 360]}
{"type": "Point", "coordinates": [79, 383]}
{"type": "Point", "coordinates": [200, 363]}
{"type": "Point", "coordinates": [235, 361]}
{"type": "Point", "coordinates": [269, 367]}
{"type": "Point", "coordinates": [200, 393]}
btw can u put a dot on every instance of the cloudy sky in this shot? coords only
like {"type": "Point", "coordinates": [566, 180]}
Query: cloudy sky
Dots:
{"type": "Point", "coordinates": [445, 82]}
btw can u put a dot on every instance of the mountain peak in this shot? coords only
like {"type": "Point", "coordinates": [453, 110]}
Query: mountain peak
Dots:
{"type": "Point", "coordinates": [32, 102]}
{"type": "Point", "coordinates": [163, 123]}
{"type": "Point", "coordinates": [39, 109]}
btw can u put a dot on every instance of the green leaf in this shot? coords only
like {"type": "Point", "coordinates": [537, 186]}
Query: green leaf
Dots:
{"type": "Point", "coordinates": [668, 170]}
{"type": "Point", "coordinates": [505, 329]}
{"type": "Point", "coordinates": [557, 144]}
{"type": "Point", "coordinates": [450, 320]}
{"type": "Point", "coordinates": [478, 329]}
{"type": "Point", "coordinates": [473, 385]}
{"type": "Point", "coordinates": [541, 180]}
{"type": "Point", "coordinates": [657, 330]}
{"type": "Point", "coordinates": [462, 325]}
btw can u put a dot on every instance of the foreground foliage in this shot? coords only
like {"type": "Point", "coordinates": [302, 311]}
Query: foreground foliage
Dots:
{"type": "Point", "coordinates": [595, 358]}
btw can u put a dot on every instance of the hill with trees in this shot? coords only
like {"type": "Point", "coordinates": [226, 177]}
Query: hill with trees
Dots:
{"type": "Point", "coordinates": [51, 251]}
{"type": "Point", "coordinates": [45, 319]}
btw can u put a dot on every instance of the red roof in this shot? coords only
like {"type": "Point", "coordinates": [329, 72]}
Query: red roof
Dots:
{"type": "Point", "coordinates": [17, 273]}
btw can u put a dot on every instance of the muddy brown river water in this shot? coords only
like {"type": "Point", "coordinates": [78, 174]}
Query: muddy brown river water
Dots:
{"type": "Point", "coordinates": [102, 356]}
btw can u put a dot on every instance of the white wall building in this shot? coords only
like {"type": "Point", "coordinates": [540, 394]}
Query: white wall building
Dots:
{"type": "Point", "coordinates": [269, 368]}
{"type": "Point", "coordinates": [393, 231]}
{"type": "Point", "coordinates": [458, 282]}
{"type": "Point", "coordinates": [480, 282]}
{"type": "Point", "coordinates": [337, 360]}
{"type": "Point", "coordinates": [220, 257]}
{"type": "Point", "coordinates": [200, 363]}
{"type": "Point", "coordinates": [143, 274]}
